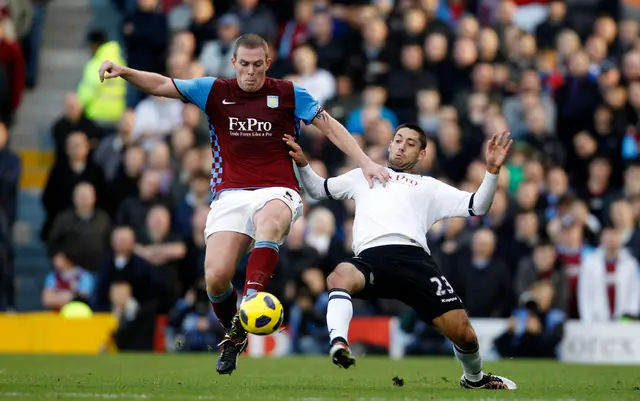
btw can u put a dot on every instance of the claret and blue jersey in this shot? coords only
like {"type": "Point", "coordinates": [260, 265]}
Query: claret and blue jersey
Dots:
{"type": "Point", "coordinates": [247, 128]}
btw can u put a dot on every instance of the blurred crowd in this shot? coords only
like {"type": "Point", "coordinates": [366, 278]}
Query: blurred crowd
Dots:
{"type": "Point", "coordinates": [127, 198]}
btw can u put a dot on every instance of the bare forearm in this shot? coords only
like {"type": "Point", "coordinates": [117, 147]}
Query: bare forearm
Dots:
{"type": "Point", "coordinates": [147, 82]}
{"type": "Point", "coordinates": [339, 135]}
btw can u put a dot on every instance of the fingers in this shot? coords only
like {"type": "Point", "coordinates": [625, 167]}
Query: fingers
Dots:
{"type": "Point", "coordinates": [370, 181]}
{"type": "Point", "coordinates": [508, 146]}
{"type": "Point", "coordinates": [506, 138]}
{"type": "Point", "coordinates": [382, 179]}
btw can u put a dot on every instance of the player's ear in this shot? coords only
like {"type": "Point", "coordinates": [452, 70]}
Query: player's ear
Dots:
{"type": "Point", "coordinates": [233, 61]}
{"type": "Point", "coordinates": [268, 62]}
{"type": "Point", "coordinates": [422, 154]}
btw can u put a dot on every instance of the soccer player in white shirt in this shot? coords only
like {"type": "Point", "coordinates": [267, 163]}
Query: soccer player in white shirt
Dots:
{"type": "Point", "coordinates": [392, 259]}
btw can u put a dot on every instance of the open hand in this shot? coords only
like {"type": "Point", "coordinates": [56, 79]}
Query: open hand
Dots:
{"type": "Point", "coordinates": [296, 152]}
{"type": "Point", "coordinates": [109, 69]}
{"type": "Point", "coordinates": [373, 171]}
{"type": "Point", "coordinates": [497, 151]}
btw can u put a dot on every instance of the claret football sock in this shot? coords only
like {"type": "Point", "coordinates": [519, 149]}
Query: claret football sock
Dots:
{"type": "Point", "coordinates": [225, 306]}
{"type": "Point", "coordinates": [471, 363]}
{"type": "Point", "coordinates": [262, 264]}
{"type": "Point", "coordinates": [339, 314]}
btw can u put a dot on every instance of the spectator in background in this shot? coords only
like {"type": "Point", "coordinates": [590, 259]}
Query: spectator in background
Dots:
{"type": "Point", "coordinates": [623, 221]}
{"type": "Point", "coordinates": [547, 31]}
{"type": "Point", "coordinates": [102, 103]}
{"type": "Point", "coordinates": [608, 283]}
{"type": "Point", "coordinates": [404, 83]}
{"type": "Point", "coordinates": [296, 31]}
{"type": "Point", "coordinates": [256, 18]}
{"type": "Point", "coordinates": [68, 282]}
{"type": "Point", "coordinates": [193, 325]}
{"type": "Point", "coordinates": [216, 54]}
{"type": "Point", "coordinates": [31, 44]}
{"type": "Point", "coordinates": [12, 69]}
{"type": "Point", "coordinates": [122, 265]}
{"type": "Point", "coordinates": [125, 182]}
{"type": "Point", "coordinates": [203, 24]}
{"type": "Point", "coordinates": [82, 229]}
{"type": "Point", "coordinates": [535, 328]}
{"type": "Point", "coordinates": [155, 119]}
{"type": "Point", "coordinates": [10, 168]}
{"type": "Point", "coordinates": [193, 263]}
{"type": "Point", "coordinates": [542, 266]}
{"type": "Point", "coordinates": [146, 38]}
{"type": "Point", "coordinates": [373, 107]}
{"type": "Point", "coordinates": [308, 314]}
{"type": "Point", "coordinates": [133, 210]}
{"type": "Point", "coordinates": [370, 61]}
{"type": "Point", "coordinates": [164, 249]}
{"type": "Point", "coordinates": [199, 195]}
{"type": "Point", "coordinates": [109, 154]}
{"type": "Point", "coordinates": [73, 119]}
{"type": "Point", "coordinates": [331, 53]}
{"type": "Point", "coordinates": [66, 174]}
{"type": "Point", "coordinates": [320, 83]}
{"type": "Point", "coordinates": [483, 281]}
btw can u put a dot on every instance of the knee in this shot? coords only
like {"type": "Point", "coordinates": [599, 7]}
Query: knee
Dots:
{"type": "Point", "coordinates": [217, 277]}
{"type": "Point", "coordinates": [341, 277]}
{"type": "Point", "coordinates": [270, 226]}
{"type": "Point", "coordinates": [464, 336]}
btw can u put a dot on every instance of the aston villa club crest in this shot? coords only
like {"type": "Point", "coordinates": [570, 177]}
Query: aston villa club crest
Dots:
{"type": "Point", "coordinates": [272, 101]}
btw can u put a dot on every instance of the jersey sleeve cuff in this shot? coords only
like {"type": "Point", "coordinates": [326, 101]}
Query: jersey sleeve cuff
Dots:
{"type": "Point", "coordinates": [183, 98]}
{"type": "Point", "coordinates": [491, 175]}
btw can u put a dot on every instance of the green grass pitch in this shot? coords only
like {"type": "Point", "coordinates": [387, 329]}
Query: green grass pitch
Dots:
{"type": "Point", "coordinates": [193, 377]}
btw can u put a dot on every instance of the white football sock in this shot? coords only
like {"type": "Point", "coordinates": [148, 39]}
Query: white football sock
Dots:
{"type": "Point", "coordinates": [339, 314]}
{"type": "Point", "coordinates": [471, 363]}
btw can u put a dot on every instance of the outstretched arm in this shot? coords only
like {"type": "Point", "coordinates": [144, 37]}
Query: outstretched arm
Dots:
{"type": "Point", "coordinates": [148, 82]}
{"type": "Point", "coordinates": [451, 202]}
{"type": "Point", "coordinates": [339, 135]}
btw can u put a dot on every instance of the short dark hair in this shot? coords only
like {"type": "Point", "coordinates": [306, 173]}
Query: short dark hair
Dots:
{"type": "Point", "coordinates": [422, 136]}
{"type": "Point", "coordinates": [250, 41]}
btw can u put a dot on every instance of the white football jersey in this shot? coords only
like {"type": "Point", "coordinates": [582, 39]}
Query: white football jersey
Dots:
{"type": "Point", "coordinates": [402, 212]}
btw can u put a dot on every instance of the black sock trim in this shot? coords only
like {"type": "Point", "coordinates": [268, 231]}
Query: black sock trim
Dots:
{"type": "Point", "coordinates": [339, 339]}
{"type": "Point", "coordinates": [467, 352]}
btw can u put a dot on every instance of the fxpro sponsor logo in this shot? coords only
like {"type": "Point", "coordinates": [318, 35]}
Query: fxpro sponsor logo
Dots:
{"type": "Point", "coordinates": [249, 127]}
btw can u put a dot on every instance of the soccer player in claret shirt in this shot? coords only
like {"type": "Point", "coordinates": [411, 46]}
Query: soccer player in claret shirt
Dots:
{"type": "Point", "coordinates": [256, 193]}
{"type": "Point", "coordinates": [392, 259]}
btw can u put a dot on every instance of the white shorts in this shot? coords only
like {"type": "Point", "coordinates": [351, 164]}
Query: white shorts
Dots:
{"type": "Point", "coordinates": [233, 210]}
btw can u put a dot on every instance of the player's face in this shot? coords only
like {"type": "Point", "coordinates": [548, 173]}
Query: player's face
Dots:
{"type": "Point", "coordinates": [405, 150]}
{"type": "Point", "coordinates": [251, 67]}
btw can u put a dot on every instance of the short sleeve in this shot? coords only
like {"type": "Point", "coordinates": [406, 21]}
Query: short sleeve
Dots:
{"type": "Point", "coordinates": [50, 282]}
{"type": "Point", "coordinates": [449, 201]}
{"type": "Point", "coordinates": [343, 186]}
{"type": "Point", "coordinates": [195, 91]}
{"type": "Point", "coordinates": [86, 284]}
{"type": "Point", "coordinates": [306, 106]}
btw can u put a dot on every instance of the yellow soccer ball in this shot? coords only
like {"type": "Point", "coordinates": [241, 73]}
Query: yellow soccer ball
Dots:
{"type": "Point", "coordinates": [261, 313]}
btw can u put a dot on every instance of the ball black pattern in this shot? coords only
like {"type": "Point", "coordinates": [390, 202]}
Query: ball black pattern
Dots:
{"type": "Point", "coordinates": [262, 321]}
{"type": "Point", "coordinates": [244, 317]}
{"type": "Point", "coordinates": [269, 302]}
